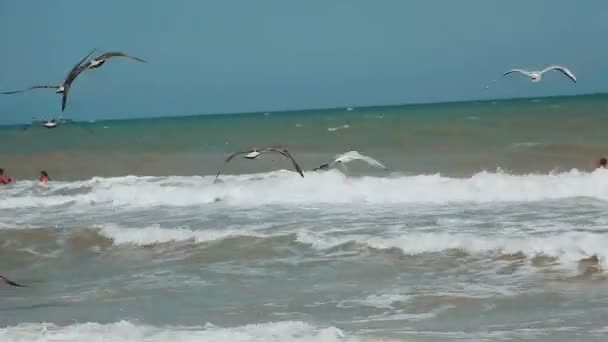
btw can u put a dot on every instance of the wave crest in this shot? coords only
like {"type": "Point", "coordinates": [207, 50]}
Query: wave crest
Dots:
{"type": "Point", "coordinates": [284, 187]}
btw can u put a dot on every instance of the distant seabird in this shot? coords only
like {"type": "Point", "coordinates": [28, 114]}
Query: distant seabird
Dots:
{"type": "Point", "coordinates": [10, 282]}
{"type": "Point", "coordinates": [101, 59]}
{"type": "Point", "coordinates": [347, 158]}
{"type": "Point", "coordinates": [255, 152]}
{"type": "Point", "coordinates": [64, 87]}
{"type": "Point", "coordinates": [536, 76]}
{"type": "Point", "coordinates": [51, 123]}
{"type": "Point", "coordinates": [54, 122]}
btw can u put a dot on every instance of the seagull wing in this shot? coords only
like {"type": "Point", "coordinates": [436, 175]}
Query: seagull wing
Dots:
{"type": "Point", "coordinates": [230, 157]}
{"type": "Point", "coordinates": [521, 71]}
{"type": "Point", "coordinates": [109, 55]}
{"type": "Point", "coordinates": [10, 282]}
{"type": "Point", "coordinates": [77, 70]}
{"type": "Point", "coordinates": [354, 155]}
{"type": "Point", "coordinates": [30, 88]}
{"type": "Point", "coordinates": [373, 162]}
{"type": "Point", "coordinates": [288, 155]}
{"type": "Point", "coordinates": [82, 65]}
{"type": "Point", "coordinates": [64, 99]}
{"type": "Point", "coordinates": [561, 69]}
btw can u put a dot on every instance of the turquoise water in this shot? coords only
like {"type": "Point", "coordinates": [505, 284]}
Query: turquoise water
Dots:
{"type": "Point", "coordinates": [489, 224]}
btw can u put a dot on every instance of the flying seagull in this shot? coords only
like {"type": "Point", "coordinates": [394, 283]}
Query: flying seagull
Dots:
{"type": "Point", "coordinates": [64, 87]}
{"type": "Point", "coordinates": [536, 76]}
{"type": "Point", "coordinates": [10, 282]}
{"type": "Point", "coordinates": [101, 59]}
{"type": "Point", "coordinates": [54, 122]}
{"type": "Point", "coordinates": [83, 65]}
{"type": "Point", "coordinates": [347, 158]}
{"type": "Point", "coordinates": [255, 152]}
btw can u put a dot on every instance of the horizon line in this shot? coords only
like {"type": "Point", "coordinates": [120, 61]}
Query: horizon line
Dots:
{"type": "Point", "coordinates": [286, 111]}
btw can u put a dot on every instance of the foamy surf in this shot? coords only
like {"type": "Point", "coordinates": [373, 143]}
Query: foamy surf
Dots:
{"type": "Point", "coordinates": [284, 187]}
{"type": "Point", "coordinates": [567, 247]}
{"type": "Point", "coordinates": [155, 234]}
{"type": "Point", "coordinates": [126, 331]}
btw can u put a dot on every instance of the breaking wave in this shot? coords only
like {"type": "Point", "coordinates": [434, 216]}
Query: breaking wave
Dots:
{"type": "Point", "coordinates": [285, 187]}
{"type": "Point", "coordinates": [129, 332]}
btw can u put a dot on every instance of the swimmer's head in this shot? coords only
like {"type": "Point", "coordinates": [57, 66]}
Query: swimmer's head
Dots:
{"type": "Point", "coordinates": [603, 162]}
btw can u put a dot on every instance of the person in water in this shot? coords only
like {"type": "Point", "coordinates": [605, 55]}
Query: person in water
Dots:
{"type": "Point", "coordinates": [603, 163]}
{"type": "Point", "coordinates": [4, 179]}
{"type": "Point", "coordinates": [44, 177]}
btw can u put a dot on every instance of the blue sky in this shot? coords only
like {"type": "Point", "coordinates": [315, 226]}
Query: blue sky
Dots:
{"type": "Point", "coordinates": [209, 56]}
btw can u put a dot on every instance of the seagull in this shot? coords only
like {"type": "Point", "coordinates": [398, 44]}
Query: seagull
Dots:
{"type": "Point", "coordinates": [9, 282]}
{"type": "Point", "coordinates": [54, 122]}
{"type": "Point", "coordinates": [77, 70]}
{"type": "Point", "coordinates": [536, 76]}
{"type": "Point", "coordinates": [256, 152]}
{"type": "Point", "coordinates": [101, 59]}
{"type": "Point", "coordinates": [64, 87]}
{"type": "Point", "coordinates": [347, 158]}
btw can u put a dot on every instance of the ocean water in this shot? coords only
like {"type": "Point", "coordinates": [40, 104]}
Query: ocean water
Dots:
{"type": "Point", "coordinates": [490, 224]}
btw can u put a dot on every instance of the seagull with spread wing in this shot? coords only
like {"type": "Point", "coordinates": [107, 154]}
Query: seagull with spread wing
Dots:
{"type": "Point", "coordinates": [65, 86]}
{"type": "Point", "coordinates": [536, 76]}
{"type": "Point", "coordinates": [256, 152]}
{"type": "Point", "coordinates": [349, 157]}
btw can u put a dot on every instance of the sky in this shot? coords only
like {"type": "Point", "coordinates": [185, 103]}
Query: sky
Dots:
{"type": "Point", "coordinates": [226, 56]}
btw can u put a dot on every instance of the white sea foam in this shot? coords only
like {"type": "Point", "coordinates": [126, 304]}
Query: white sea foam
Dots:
{"type": "Point", "coordinates": [333, 129]}
{"type": "Point", "coordinates": [129, 332]}
{"type": "Point", "coordinates": [568, 247]}
{"type": "Point", "coordinates": [285, 187]}
{"type": "Point", "coordinates": [155, 234]}
{"type": "Point", "coordinates": [377, 300]}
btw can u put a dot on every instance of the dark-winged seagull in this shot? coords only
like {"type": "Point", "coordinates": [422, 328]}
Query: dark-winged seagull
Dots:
{"type": "Point", "coordinates": [101, 59]}
{"type": "Point", "coordinates": [64, 87]}
{"type": "Point", "coordinates": [10, 282]}
{"type": "Point", "coordinates": [255, 152]}
{"type": "Point", "coordinates": [77, 70]}
{"type": "Point", "coordinates": [537, 75]}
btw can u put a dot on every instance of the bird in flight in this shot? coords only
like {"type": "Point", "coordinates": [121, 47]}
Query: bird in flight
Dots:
{"type": "Point", "coordinates": [349, 157]}
{"type": "Point", "coordinates": [65, 86]}
{"type": "Point", "coordinates": [537, 75]}
{"type": "Point", "coordinates": [256, 152]}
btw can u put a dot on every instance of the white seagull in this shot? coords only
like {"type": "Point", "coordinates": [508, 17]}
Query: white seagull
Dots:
{"type": "Point", "coordinates": [536, 76]}
{"type": "Point", "coordinates": [348, 157]}
{"type": "Point", "coordinates": [256, 152]}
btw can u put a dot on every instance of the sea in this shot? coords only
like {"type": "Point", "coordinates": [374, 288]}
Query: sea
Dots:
{"type": "Point", "coordinates": [490, 224]}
